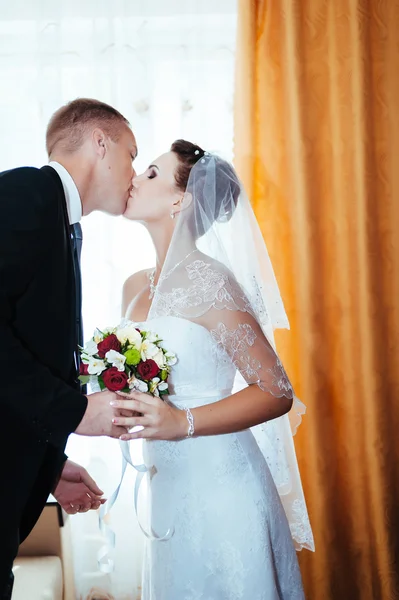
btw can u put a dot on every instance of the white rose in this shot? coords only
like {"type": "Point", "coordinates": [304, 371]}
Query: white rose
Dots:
{"type": "Point", "coordinates": [129, 333]}
{"type": "Point", "coordinates": [90, 348]}
{"type": "Point", "coordinates": [116, 359]}
{"type": "Point", "coordinates": [96, 366]}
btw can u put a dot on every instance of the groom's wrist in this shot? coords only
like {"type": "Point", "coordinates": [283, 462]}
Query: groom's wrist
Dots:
{"type": "Point", "coordinates": [59, 475]}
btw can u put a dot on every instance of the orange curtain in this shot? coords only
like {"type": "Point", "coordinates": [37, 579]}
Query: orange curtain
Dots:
{"type": "Point", "coordinates": [317, 145]}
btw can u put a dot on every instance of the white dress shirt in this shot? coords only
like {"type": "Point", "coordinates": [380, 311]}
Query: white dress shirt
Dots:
{"type": "Point", "coordinates": [73, 201]}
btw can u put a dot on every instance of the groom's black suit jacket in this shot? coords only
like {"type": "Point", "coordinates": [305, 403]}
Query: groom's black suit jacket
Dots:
{"type": "Point", "coordinates": [40, 400]}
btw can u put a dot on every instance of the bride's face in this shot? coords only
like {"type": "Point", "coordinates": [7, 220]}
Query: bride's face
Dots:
{"type": "Point", "coordinates": [154, 193]}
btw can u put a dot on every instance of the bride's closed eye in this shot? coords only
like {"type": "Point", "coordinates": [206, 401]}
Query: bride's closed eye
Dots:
{"type": "Point", "coordinates": [153, 171]}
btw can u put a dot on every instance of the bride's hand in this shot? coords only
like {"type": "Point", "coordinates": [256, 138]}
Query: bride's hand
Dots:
{"type": "Point", "coordinates": [160, 421]}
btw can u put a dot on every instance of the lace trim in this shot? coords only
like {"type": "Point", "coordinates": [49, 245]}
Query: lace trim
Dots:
{"type": "Point", "coordinates": [300, 526]}
{"type": "Point", "coordinates": [208, 289]}
{"type": "Point", "coordinates": [280, 378]}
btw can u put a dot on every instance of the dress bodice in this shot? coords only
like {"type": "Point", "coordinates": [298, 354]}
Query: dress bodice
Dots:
{"type": "Point", "coordinates": [202, 369]}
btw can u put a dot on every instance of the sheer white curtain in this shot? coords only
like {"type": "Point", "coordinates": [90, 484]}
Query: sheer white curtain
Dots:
{"type": "Point", "coordinates": [168, 67]}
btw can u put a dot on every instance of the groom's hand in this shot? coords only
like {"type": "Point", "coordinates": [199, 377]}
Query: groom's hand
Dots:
{"type": "Point", "coordinates": [76, 491]}
{"type": "Point", "coordinates": [99, 415]}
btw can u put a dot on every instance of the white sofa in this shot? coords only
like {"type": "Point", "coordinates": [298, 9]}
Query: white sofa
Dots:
{"type": "Point", "coordinates": [38, 577]}
{"type": "Point", "coordinates": [43, 567]}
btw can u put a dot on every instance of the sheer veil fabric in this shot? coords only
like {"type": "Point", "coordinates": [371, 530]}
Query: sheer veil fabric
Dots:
{"type": "Point", "coordinates": [218, 274]}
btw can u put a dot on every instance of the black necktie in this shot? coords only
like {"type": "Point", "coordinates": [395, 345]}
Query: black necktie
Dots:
{"type": "Point", "coordinates": [77, 238]}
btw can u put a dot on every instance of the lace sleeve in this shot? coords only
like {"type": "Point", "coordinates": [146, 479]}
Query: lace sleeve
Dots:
{"type": "Point", "coordinates": [240, 337]}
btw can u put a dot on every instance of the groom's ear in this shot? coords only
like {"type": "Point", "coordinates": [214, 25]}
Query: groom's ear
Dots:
{"type": "Point", "coordinates": [99, 142]}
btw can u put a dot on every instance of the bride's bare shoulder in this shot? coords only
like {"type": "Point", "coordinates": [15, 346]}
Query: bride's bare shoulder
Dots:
{"type": "Point", "coordinates": [133, 286]}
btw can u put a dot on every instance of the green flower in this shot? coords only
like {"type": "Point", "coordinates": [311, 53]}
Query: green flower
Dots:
{"type": "Point", "coordinates": [164, 375]}
{"type": "Point", "coordinates": [133, 356]}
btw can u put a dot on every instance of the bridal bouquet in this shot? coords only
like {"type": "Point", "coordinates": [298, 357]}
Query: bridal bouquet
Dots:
{"type": "Point", "coordinates": [126, 358]}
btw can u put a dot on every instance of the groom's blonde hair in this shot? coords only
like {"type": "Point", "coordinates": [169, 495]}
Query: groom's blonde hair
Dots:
{"type": "Point", "coordinates": [70, 123]}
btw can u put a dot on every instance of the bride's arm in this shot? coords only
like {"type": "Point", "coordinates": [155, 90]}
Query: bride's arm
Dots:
{"type": "Point", "coordinates": [239, 338]}
{"type": "Point", "coordinates": [238, 411]}
{"type": "Point", "coordinates": [164, 422]}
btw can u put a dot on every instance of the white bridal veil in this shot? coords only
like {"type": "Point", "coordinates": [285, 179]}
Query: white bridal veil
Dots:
{"type": "Point", "coordinates": [218, 274]}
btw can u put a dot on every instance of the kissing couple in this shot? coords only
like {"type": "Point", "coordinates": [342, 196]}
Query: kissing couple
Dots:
{"type": "Point", "coordinates": [220, 440]}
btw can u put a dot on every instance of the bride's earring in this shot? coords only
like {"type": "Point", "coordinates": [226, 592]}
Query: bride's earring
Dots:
{"type": "Point", "coordinates": [172, 215]}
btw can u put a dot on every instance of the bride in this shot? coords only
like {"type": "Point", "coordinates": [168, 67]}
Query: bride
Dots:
{"type": "Point", "coordinates": [224, 478]}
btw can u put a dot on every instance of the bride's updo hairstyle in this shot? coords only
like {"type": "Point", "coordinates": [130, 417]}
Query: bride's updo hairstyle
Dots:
{"type": "Point", "coordinates": [212, 182]}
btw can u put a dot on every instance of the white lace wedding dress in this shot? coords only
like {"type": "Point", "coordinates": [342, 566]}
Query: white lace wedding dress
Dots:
{"type": "Point", "coordinates": [231, 537]}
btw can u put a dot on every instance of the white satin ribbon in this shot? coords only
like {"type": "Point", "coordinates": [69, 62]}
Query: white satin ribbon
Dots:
{"type": "Point", "coordinates": [104, 559]}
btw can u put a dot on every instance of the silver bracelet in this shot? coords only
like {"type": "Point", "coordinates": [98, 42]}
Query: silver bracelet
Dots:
{"type": "Point", "coordinates": [190, 419]}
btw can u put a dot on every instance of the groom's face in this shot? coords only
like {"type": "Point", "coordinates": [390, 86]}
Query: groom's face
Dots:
{"type": "Point", "coordinates": [117, 172]}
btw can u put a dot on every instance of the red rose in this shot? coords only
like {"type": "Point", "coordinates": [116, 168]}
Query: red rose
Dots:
{"type": "Point", "coordinates": [114, 380]}
{"type": "Point", "coordinates": [148, 369]}
{"type": "Point", "coordinates": [110, 343]}
{"type": "Point", "coordinates": [83, 369]}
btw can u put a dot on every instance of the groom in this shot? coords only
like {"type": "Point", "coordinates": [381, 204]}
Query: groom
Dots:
{"type": "Point", "coordinates": [91, 149]}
